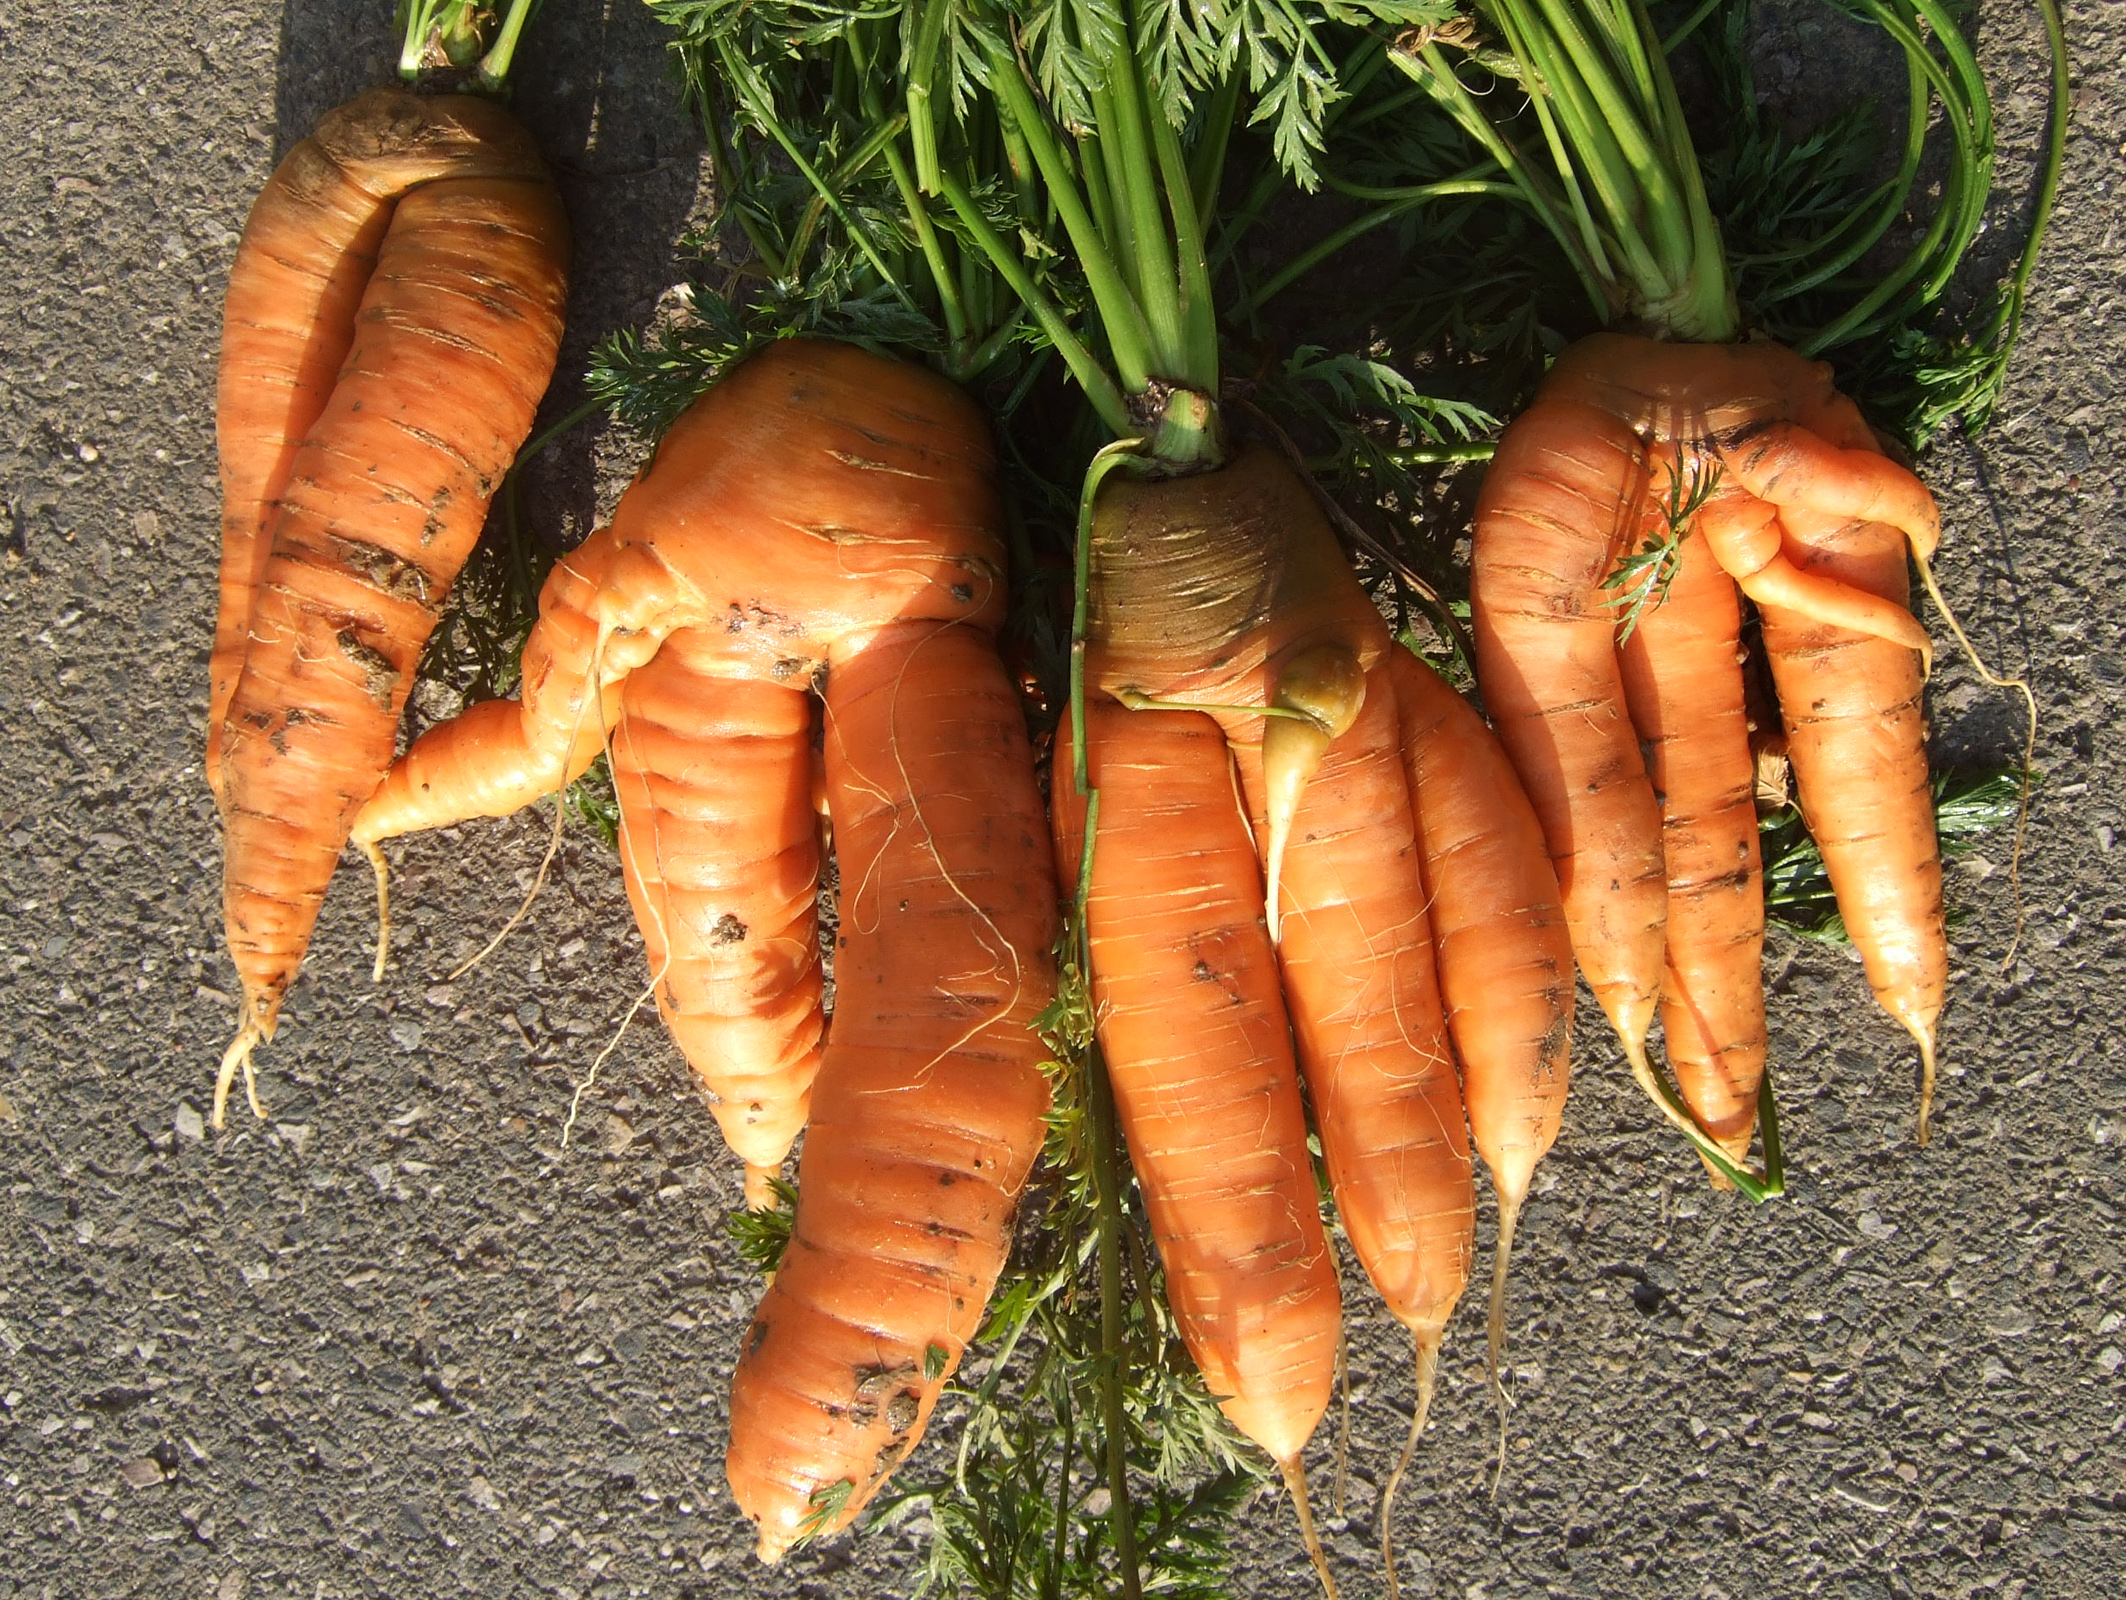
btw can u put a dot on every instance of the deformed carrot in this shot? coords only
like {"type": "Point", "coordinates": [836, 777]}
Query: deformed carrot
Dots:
{"type": "Point", "coordinates": [288, 321]}
{"type": "Point", "coordinates": [824, 510]}
{"type": "Point", "coordinates": [1505, 954]}
{"type": "Point", "coordinates": [721, 854]}
{"type": "Point", "coordinates": [928, 1112]}
{"type": "Point", "coordinates": [1683, 682]}
{"type": "Point", "coordinates": [342, 550]}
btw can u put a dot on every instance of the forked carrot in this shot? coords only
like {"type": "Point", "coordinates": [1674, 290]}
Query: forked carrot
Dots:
{"type": "Point", "coordinates": [348, 517]}
{"type": "Point", "coordinates": [826, 510]}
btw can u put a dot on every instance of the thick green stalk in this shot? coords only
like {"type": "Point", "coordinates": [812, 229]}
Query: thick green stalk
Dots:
{"type": "Point", "coordinates": [1099, 388]}
{"type": "Point", "coordinates": [1129, 336]}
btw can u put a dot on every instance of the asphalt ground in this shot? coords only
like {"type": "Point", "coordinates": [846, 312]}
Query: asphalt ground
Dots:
{"type": "Point", "coordinates": [395, 1342]}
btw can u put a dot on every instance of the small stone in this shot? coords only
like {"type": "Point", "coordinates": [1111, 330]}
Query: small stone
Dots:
{"type": "Point", "coordinates": [482, 1494]}
{"type": "Point", "coordinates": [2009, 1322]}
{"type": "Point", "coordinates": [382, 1175]}
{"type": "Point", "coordinates": [256, 1273]}
{"type": "Point", "coordinates": [190, 1125]}
{"type": "Point", "coordinates": [1874, 1227]}
{"type": "Point", "coordinates": [406, 1033]}
{"type": "Point", "coordinates": [297, 1135]}
{"type": "Point", "coordinates": [143, 1472]}
{"type": "Point", "coordinates": [590, 1356]}
{"type": "Point", "coordinates": [2110, 1359]}
{"type": "Point", "coordinates": [624, 1469]}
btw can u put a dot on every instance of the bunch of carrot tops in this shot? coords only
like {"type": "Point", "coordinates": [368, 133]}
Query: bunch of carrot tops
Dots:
{"type": "Point", "coordinates": [1028, 534]}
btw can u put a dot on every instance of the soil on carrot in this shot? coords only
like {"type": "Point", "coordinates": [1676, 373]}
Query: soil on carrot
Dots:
{"type": "Point", "coordinates": [395, 1341]}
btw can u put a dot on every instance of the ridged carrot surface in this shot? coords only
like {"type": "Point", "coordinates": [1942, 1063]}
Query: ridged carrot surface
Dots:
{"type": "Point", "coordinates": [340, 551]}
{"type": "Point", "coordinates": [1227, 590]}
{"type": "Point", "coordinates": [1558, 501]}
{"type": "Point", "coordinates": [1683, 682]}
{"type": "Point", "coordinates": [720, 847]}
{"type": "Point", "coordinates": [1193, 1031]}
{"type": "Point", "coordinates": [927, 1115]}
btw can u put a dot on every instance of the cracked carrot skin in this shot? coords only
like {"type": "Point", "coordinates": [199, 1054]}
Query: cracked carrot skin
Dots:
{"type": "Point", "coordinates": [344, 547]}
{"type": "Point", "coordinates": [826, 511]}
{"type": "Point", "coordinates": [1683, 682]}
{"type": "Point", "coordinates": [720, 850]}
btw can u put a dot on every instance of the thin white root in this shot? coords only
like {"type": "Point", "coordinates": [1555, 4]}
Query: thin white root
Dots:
{"type": "Point", "coordinates": [1295, 1480]}
{"type": "Point", "coordinates": [1427, 1381]}
{"type": "Point", "coordinates": [382, 869]}
{"type": "Point", "coordinates": [546, 862]}
{"type": "Point", "coordinates": [1926, 1084]}
{"type": "Point", "coordinates": [1495, 1327]}
{"type": "Point", "coordinates": [238, 1056]}
{"type": "Point", "coordinates": [575, 1101]}
{"type": "Point", "coordinates": [1340, 1485]}
{"type": "Point", "coordinates": [2022, 804]}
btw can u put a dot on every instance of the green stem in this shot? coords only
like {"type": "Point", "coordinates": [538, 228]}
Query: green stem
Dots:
{"type": "Point", "coordinates": [493, 72]}
{"type": "Point", "coordinates": [1099, 388]}
{"type": "Point", "coordinates": [1129, 336]}
{"type": "Point", "coordinates": [1403, 202]}
{"type": "Point", "coordinates": [1107, 1192]}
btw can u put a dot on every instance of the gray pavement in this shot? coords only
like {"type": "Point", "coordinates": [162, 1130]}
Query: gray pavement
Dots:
{"type": "Point", "coordinates": [395, 1343]}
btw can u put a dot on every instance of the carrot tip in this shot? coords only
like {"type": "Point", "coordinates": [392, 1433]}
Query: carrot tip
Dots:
{"type": "Point", "coordinates": [1295, 1480]}
{"type": "Point", "coordinates": [382, 868]}
{"type": "Point", "coordinates": [238, 1056]}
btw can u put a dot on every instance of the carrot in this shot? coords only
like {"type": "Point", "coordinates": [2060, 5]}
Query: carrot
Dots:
{"type": "Point", "coordinates": [1795, 473]}
{"type": "Point", "coordinates": [288, 320]}
{"type": "Point", "coordinates": [721, 855]}
{"type": "Point", "coordinates": [342, 549]}
{"type": "Point", "coordinates": [1505, 954]}
{"type": "Point", "coordinates": [1226, 590]}
{"type": "Point", "coordinates": [1683, 683]}
{"type": "Point", "coordinates": [1192, 1028]}
{"type": "Point", "coordinates": [1559, 497]}
{"type": "Point", "coordinates": [928, 1112]}
{"type": "Point", "coordinates": [826, 510]}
